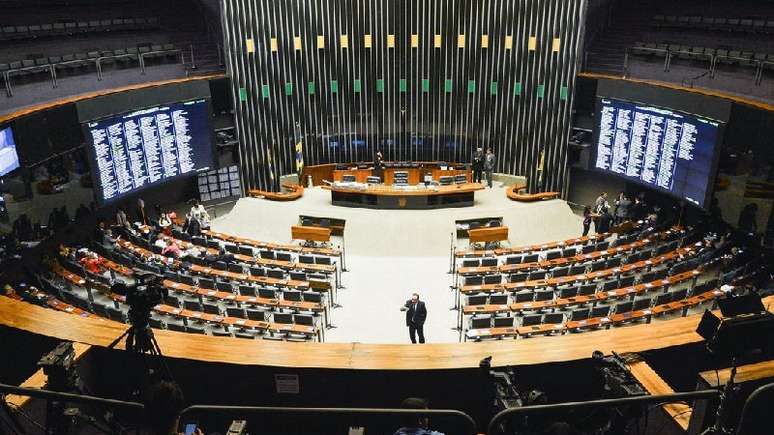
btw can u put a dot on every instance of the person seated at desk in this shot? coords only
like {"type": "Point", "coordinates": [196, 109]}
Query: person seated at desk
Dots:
{"type": "Point", "coordinates": [172, 250]}
{"type": "Point", "coordinates": [91, 262]}
{"type": "Point", "coordinates": [223, 256]}
{"type": "Point", "coordinates": [165, 223]}
{"type": "Point", "coordinates": [160, 243]}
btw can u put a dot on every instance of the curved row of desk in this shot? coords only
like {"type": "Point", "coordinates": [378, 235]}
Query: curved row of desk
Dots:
{"type": "Point", "coordinates": [98, 332]}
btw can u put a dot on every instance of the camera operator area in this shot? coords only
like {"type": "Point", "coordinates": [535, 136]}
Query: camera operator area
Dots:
{"type": "Point", "coordinates": [400, 217]}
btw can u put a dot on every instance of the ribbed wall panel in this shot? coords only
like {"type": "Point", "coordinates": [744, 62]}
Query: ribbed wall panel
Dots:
{"type": "Point", "coordinates": [418, 123]}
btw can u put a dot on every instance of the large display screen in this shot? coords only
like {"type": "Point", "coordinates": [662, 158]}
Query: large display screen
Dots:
{"type": "Point", "coordinates": [666, 149]}
{"type": "Point", "coordinates": [146, 147]}
{"type": "Point", "coordinates": [9, 159]}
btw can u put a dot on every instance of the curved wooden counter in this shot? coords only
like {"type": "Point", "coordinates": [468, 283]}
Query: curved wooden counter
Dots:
{"type": "Point", "coordinates": [328, 172]}
{"type": "Point", "coordinates": [295, 191]}
{"type": "Point", "coordinates": [98, 332]}
{"type": "Point", "coordinates": [512, 193]}
{"type": "Point", "coordinates": [382, 196]}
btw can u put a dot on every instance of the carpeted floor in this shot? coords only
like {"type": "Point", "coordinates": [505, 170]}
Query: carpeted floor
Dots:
{"type": "Point", "coordinates": [392, 253]}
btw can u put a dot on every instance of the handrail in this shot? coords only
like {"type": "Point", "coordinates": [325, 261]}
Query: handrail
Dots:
{"type": "Point", "coordinates": [500, 417]}
{"type": "Point", "coordinates": [468, 426]}
{"type": "Point", "coordinates": [69, 397]}
{"type": "Point", "coordinates": [742, 427]}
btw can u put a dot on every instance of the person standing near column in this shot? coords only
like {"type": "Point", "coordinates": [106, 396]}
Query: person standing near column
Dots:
{"type": "Point", "coordinates": [416, 314]}
{"type": "Point", "coordinates": [489, 164]}
{"type": "Point", "coordinates": [478, 164]}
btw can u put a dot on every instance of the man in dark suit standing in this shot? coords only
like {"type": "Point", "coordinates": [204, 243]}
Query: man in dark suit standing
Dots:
{"type": "Point", "coordinates": [416, 313]}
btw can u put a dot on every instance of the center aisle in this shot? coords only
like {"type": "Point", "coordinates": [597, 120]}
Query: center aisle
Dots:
{"type": "Point", "coordinates": [391, 253]}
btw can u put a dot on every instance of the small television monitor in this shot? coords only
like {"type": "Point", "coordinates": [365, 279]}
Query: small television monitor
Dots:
{"type": "Point", "coordinates": [9, 158]}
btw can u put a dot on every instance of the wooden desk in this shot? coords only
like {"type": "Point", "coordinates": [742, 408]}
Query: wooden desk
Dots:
{"type": "Point", "coordinates": [272, 246]}
{"type": "Point", "coordinates": [491, 234]}
{"type": "Point", "coordinates": [680, 413]}
{"type": "Point", "coordinates": [359, 356]}
{"type": "Point", "coordinates": [314, 234]}
{"type": "Point", "coordinates": [335, 224]}
{"type": "Point", "coordinates": [382, 196]}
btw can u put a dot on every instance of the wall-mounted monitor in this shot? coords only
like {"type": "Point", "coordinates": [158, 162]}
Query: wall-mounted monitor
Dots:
{"type": "Point", "coordinates": [9, 158]}
{"type": "Point", "coordinates": [139, 149]}
{"type": "Point", "coordinates": [669, 150]}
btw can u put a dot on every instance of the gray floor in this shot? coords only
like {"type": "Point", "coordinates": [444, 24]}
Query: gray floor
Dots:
{"type": "Point", "coordinates": [392, 253]}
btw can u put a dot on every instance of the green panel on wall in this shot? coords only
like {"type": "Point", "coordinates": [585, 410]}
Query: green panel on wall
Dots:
{"type": "Point", "coordinates": [242, 94]}
{"type": "Point", "coordinates": [265, 91]}
{"type": "Point", "coordinates": [517, 88]}
{"type": "Point", "coordinates": [471, 86]}
{"type": "Point", "coordinates": [288, 88]}
{"type": "Point", "coordinates": [310, 88]}
{"type": "Point", "coordinates": [493, 88]}
{"type": "Point", "coordinates": [403, 85]}
{"type": "Point", "coordinates": [380, 85]}
{"type": "Point", "coordinates": [425, 85]}
{"type": "Point", "coordinates": [563, 91]}
{"type": "Point", "coordinates": [541, 91]}
{"type": "Point", "coordinates": [357, 85]}
{"type": "Point", "coordinates": [334, 87]}
{"type": "Point", "coordinates": [447, 86]}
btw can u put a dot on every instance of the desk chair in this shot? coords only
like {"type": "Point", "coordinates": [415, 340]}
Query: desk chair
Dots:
{"type": "Point", "coordinates": [678, 295]}
{"type": "Point", "coordinates": [284, 256]}
{"type": "Point", "coordinates": [525, 296]}
{"type": "Point", "coordinates": [623, 307]}
{"type": "Point", "coordinates": [247, 290]}
{"type": "Point", "coordinates": [577, 269]}
{"type": "Point", "coordinates": [312, 296]}
{"type": "Point", "coordinates": [498, 299]}
{"type": "Point", "coordinates": [613, 262]}
{"type": "Point", "coordinates": [493, 279]}
{"type": "Point", "coordinates": [587, 248]}
{"type": "Point", "coordinates": [553, 319]}
{"type": "Point", "coordinates": [257, 271]}
{"type": "Point", "coordinates": [267, 293]}
{"type": "Point", "coordinates": [663, 298]}
{"type": "Point", "coordinates": [474, 280]}
{"type": "Point", "coordinates": [157, 323]}
{"type": "Point", "coordinates": [503, 322]}
{"type": "Point", "coordinates": [306, 259]}
{"type": "Point", "coordinates": [531, 258]}
{"type": "Point", "coordinates": [513, 259]}
{"type": "Point", "coordinates": [642, 303]}
{"type": "Point", "coordinates": [559, 271]}
{"type": "Point", "coordinates": [600, 311]}
{"type": "Point", "coordinates": [236, 312]}
{"type": "Point", "coordinates": [303, 319]}
{"type": "Point", "coordinates": [477, 300]}
{"type": "Point", "coordinates": [579, 314]}
{"type": "Point", "coordinates": [601, 246]}
{"type": "Point", "coordinates": [551, 255]}
{"type": "Point", "coordinates": [246, 334]}
{"type": "Point", "coordinates": [544, 295]}
{"type": "Point", "coordinates": [291, 295]}
{"type": "Point", "coordinates": [610, 285]}
{"type": "Point", "coordinates": [480, 322]}
{"type": "Point", "coordinates": [220, 265]}
{"type": "Point", "coordinates": [531, 320]}
{"type": "Point", "coordinates": [192, 305]}
{"type": "Point", "coordinates": [298, 276]}
{"type": "Point", "coordinates": [230, 247]}
{"type": "Point", "coordinates": [275, 273]}
{"type": "Point", "coordinates": [193, 329]}
{"type": "Point", "coordinates": [187, 279]}
{"type": "Point", "coordinates": [213, 243]}
{"type": "Point", "coordinates": [626, 281]}
{"type": "Point", "coordinates": [471, 263]}
{"type": "Point", "coordinates": [323, 260]}
{"type": "Point", "coordinates": [247, 250]}
{"type": "Point", "coordinates": [569, 252]}
{"type": "Point", "coordinates": [266, 254]}
{"type": "Point", "coordinates": [221, 333]}
{"type": "Point", "coordinates": [489, 261]}
{"type": "Point", "coordinates": [211, 308]}
{"type": "Point", "coordinates": [282, 318]}
{"type": "Point", "coordinates": [568, 292]}
{"type": "Point", "coordinates": [537, 274]}
{"type": "Point", "coordinates": [257, 315]}
{"type": "Point", "coordinates": [172, 301]}
{"type": "Point", "coordinates": [236, 268]}
{"type": "Point", "coordinates": [224, 286]}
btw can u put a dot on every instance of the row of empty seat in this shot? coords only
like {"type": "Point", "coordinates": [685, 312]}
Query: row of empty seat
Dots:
{"type": "Point", "coordinates": [69, 27]}
{"type": "Point", "coordinates": [707, 54]}
{"type": "Point", "coordinates": [726, 24]}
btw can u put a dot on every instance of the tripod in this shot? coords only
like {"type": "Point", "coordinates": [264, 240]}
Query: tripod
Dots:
{"type": "Point", "coordinates": [719, 428]}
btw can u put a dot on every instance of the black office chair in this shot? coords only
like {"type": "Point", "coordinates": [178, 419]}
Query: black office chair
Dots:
{"type": "Point", "coordinates": [531, 320]}
{"type": "Point", "coordinates": [480, 322]}
{"type": "Point", "coordinates": [267, 293]}
{"type": "Point", "coordinates": [503, 322]}
{"type": "Point", "coordinates": [477, 300]}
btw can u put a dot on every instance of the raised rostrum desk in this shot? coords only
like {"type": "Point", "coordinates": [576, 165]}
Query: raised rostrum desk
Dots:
{"type": "Point", "coordinates": [388, 197]}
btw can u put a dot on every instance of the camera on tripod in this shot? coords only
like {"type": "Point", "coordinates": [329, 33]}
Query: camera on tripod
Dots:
{"type": "Point", "coordinates": [142, 296]}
